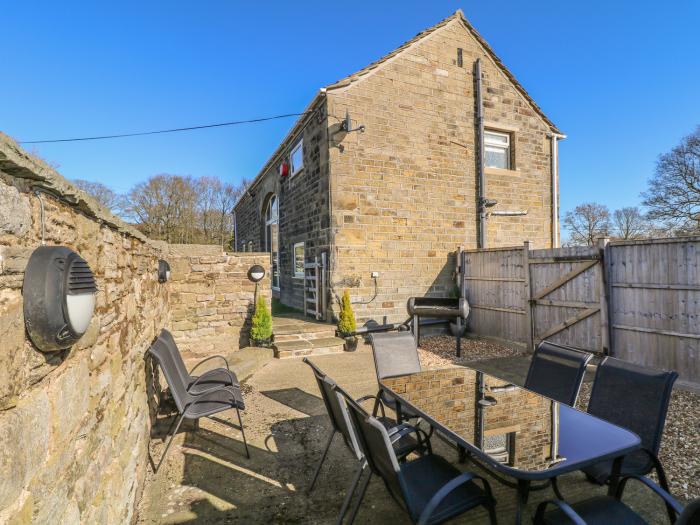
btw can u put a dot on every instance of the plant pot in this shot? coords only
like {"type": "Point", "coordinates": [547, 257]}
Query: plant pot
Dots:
{"type": "Point", "coordinates": [351, 343]}
{"type": "Point", "coordinates": [263, 343]}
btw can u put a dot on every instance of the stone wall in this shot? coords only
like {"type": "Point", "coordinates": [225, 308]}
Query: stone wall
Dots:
{"type": "Point", "coordinates": [303, 204]}
{"type": "Point", "coordinates": [74, 425]}
{"type": "Point", "coordinates": [404, 192]}
{"type": "Point", "coordinates": [212, 299]}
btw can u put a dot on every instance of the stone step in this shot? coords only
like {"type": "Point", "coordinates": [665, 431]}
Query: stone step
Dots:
{"type": "Point", "coordinates": [310, 328]}
{"type": "Point", "coordinates": [301, 348]}
{"type": "Point", "coordinates": [301, 336]}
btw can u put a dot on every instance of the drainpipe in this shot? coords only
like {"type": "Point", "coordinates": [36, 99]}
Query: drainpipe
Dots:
{"type": "Point", "coordinates": [235, 231]}
{"type": "Point", "coordinates": [480, 155]}
{"type": "Point", "coordinates": [555, 138]}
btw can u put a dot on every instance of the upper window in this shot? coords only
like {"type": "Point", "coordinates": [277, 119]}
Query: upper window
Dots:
{"type": "Point", "coordinates": [496, 150]}
{"type": "Point", "coordinates": [296, 157]}
{"type": "Point", "coordinates": [299, 260]}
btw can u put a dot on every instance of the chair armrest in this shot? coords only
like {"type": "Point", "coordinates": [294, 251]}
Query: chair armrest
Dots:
{"type": "Point", "coordinates": [563, 506]}
{"type": "Point", "coordinates": [668, 499]}
{"type": "Point", "coordinates": [399, 431]}
{"type": "Point", "coordinates": [445, 491]}
{"type": "Point", "coordinates": [209, 359]}
{"type": "Point", "coordinates": [365, 398]}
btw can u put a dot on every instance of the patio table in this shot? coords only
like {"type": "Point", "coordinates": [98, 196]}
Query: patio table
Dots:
{"type": "Point", "coordinates": [512, 431]}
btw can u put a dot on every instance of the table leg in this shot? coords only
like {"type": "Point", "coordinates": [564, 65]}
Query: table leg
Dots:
{"type": "Point", "coordinates": [523, 494]}
{"type": "Point", "coordinates": [615, 476]}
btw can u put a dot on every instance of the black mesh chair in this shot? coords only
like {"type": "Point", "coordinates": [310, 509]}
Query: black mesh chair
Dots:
{"type": "Point", "coordinates": [557, 372]}
{"type": "Point", "coordinates": [636, 398]}
{"type": "Point", "coordinates": [603, 510]}
{"type": "Point", "coordinates": [196, 396]}
{"type": "Point", "coordinates": [395, 354]}
{"type": "Point", "coordinates": [429, 488]}
{"type": "Point", "coordinates": [334, 399]}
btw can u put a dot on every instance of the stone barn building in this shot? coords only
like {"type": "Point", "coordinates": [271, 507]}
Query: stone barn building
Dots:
{"type": "Point", "coordinates": [380, 177]}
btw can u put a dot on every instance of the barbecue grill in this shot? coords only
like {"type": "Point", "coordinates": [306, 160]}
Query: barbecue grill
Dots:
{"type": "Point", "coordinates": [456, 309]}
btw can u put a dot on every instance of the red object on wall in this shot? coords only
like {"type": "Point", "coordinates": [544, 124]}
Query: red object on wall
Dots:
{"type": "Point", "coordinates": [284, 169]}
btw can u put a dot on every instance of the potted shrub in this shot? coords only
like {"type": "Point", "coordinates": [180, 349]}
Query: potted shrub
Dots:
{"type": "Point", "coordinates": [347, 324]}
{"type": "Point", "coordinates": [261, 329]}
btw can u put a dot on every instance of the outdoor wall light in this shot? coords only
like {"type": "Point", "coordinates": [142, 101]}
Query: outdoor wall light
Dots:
{"type": "Point", "coordinates": [256, 273]}
{"type": "Point", "coordinates": [163, 271]}
{"type": "Point", "coordinates": [346, 126]}
{"type": "Point", "coordinates": [59, 297]}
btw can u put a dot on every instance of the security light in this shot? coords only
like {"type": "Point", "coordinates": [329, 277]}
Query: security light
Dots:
{"type": "Point", "coordinates": [256, 273]}
{"type": "Point", "coordinates": [346, 126]}
{"type": "Point", "coordinates": [163, 271]}
{"type": "Point", "coordinates": [59, 297]}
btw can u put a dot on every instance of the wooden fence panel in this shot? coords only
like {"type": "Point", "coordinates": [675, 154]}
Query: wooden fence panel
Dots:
{"type": "Point", "coordinates": [493, 283]}
{"type": "Point", "coordinates": [655, 304]}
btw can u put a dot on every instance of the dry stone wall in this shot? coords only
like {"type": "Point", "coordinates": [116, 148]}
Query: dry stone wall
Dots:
{"type": "Point", "coordinates": [74, 425]}
{"type": "Point", "coordinates": [212, 299]}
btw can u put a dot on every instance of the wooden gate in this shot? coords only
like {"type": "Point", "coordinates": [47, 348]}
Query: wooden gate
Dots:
{"type": "Point", "coordinates": [566, 291]}
{"type": "Point", "coordinates": [315, 288]}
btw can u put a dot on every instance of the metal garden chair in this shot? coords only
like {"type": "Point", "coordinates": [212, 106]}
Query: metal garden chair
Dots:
{"type": "Point", "coordinates": [196, 396]}
{"type": "Point", "coordinates": [395, 354]}
{"type": "Point", "coordinates": [602, 510]}
{"type": "Point", "coordinates": [557, 372]}
{"type": "Point", "coordinates": [429, 489]}
{"type": "Point", "coordinates": [334, 399]}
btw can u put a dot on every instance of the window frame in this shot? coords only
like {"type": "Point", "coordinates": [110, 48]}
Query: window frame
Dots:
{"type": "Point", "coordinates": [295, 274]}
{"type": "Point", "coordinates": [508, 147]}
{"type": "Point", "coordinates": [299, 146]}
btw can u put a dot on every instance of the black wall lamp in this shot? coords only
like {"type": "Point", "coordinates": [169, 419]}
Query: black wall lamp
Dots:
{"type": "Point", "coordinates": [59, 297]}
{"type": "Point", "coordinates": [256, 273]}
{"type": "Point", "coordinates": [163, 271]}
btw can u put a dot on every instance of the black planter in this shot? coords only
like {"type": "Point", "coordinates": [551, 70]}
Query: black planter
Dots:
{"type": "Point", "coordinates": [263, 343]}
{"type": "Point", "coordinates": [351, 343]}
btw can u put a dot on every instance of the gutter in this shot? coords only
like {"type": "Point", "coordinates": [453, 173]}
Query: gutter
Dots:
{"type": "Point", "coordinates": [555, 138]}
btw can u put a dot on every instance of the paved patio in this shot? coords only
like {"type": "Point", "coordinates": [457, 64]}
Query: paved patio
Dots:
{"type": "Point", "coordinates": [207, 478]}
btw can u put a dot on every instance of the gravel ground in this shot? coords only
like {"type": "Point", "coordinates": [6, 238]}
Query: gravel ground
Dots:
{"type": "Point", "coordinates": [680, 445]}
{"type": "Point", "coordinates": [439, 351]}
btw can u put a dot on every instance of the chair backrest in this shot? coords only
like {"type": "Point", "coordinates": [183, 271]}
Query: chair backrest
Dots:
{"type": "Point", "coordinates": [690, 514]}
{"type": "Point", "coordinates": [179, 364]}
{"type": "Point", "coordinates": [161, 351]}
{"type": "Point", "coordinates": [634, 397]}
{"type": "Point", "coordinates": [377, 448]}
{"type": "Point", "coordinates": [395, 354]}
{"type": "Point", "coordinates": [557, 372]}
{"type": "Point", "coordinates": [335, 408]}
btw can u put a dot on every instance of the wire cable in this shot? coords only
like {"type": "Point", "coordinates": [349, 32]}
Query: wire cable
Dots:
{"type": "Point", "coordinates": [174, 130]}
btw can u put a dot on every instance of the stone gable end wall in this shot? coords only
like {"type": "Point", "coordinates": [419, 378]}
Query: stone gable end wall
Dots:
{"type": "Point", "coordinates": [404, 193]}
{"type": "Point", "coordinates": [303, 206]}
{"type": "Point", "coordinates": [74, 425]}
{"type": "Point", "coordinates": [212, 299]}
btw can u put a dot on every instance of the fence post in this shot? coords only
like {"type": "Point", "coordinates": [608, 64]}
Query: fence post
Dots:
{"type": "Point", "coordinates": [604, 296]}
{"type": "Point", "coordinates": [528, 307]}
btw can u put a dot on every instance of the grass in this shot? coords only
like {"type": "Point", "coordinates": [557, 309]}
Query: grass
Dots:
{"type": "Point", "coordinates": [280, 309]}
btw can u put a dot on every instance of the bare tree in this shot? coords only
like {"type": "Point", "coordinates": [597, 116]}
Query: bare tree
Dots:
{"type": "Point", "coordinates": [587, 222]}
{"type": "Point", "coordinates": [673, 195]}
{"type": "Point", "coordinates": [102, 194]}
{"type": "Point", "coordinates": [630, 223]}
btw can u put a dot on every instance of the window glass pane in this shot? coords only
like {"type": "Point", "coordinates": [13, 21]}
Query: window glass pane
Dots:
{"type": "Point", "coordinates": [498, 139]}
{"type": "Point", "coordinates": [299, 259]}
{"type": "Point", "coordinates": [496, 157]}
{"type": "Point", "coordinates": [296, 158]}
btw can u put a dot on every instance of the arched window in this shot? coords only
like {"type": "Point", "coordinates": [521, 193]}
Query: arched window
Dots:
{"type": "Point", "coordinates": [272, 238]}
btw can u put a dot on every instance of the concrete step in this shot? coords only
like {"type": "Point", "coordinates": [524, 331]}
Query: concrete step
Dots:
{"type": "Point", "coordinates": [304, 336]}
{"type": "Point", "coordinates": [284, 329]}
{"type": "Point", "coordinates": [301, 348]}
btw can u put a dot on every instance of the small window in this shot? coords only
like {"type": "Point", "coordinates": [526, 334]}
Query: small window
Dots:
{"type": "Point", "coordinates": [299, 260]}
{"type": "Point", "coordinates": [497, 150]}
{"type": "Point", "coordinates": [296, 157]}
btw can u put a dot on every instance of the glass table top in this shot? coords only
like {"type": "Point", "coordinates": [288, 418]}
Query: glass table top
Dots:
{"type": "Point", "coordinates": [508, 426]}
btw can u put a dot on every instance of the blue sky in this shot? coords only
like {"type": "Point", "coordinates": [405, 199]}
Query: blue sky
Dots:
{"type": "Point", "coordinates": [621, 79]}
